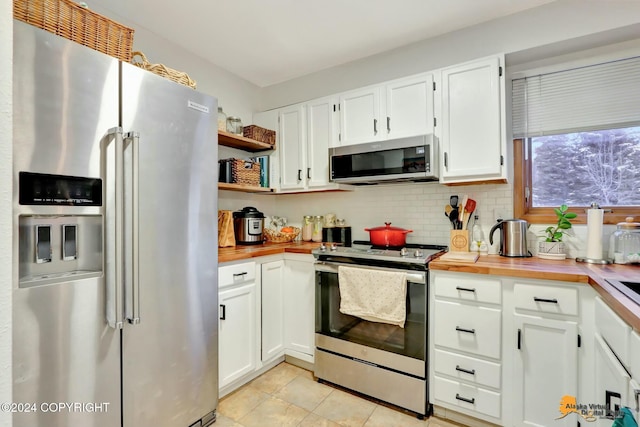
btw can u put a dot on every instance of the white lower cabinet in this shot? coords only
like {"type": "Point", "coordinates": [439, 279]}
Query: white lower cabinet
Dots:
{"type": "Point", "coordinates": [299, 307]}
{"type": "Point", "coordinates": [466, 329]}
{"type": "Point", "coordinates": [611, 381]}
{"type": "Point", "coordinates": [272, 295]}
{"type": "Point", "coordinates": [237, 333]}
{"type": "Point", "coordinates": [546, 369]}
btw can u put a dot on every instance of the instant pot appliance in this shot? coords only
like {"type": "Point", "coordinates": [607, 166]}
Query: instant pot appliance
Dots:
{"type": "Point", "coordinates": [248, 224]}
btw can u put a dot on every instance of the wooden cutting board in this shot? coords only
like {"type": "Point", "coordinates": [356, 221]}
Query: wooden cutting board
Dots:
{"type": "Point", "coordinates": [460, 256]}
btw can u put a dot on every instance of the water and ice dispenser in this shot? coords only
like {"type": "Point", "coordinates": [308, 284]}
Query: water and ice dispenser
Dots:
{"type": "Point", "coordinates": [60, 228]}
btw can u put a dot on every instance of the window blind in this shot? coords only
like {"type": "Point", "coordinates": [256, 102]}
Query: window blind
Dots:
{"type": "Point", "coordinates": [594, 97]}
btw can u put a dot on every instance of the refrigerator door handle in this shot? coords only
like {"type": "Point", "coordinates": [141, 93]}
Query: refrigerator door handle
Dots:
{"type": "Point", "coordinates": [112, 159]}
{"type": "Point", "coordinates": [132, 285]}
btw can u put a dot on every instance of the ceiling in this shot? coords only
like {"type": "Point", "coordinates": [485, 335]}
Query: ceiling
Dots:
{"type": "Point", "coordinates": [271, 41]}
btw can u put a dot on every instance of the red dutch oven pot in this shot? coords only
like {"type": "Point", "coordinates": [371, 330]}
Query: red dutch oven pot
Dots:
{"type": "Point", "coordinates": [388, 236]}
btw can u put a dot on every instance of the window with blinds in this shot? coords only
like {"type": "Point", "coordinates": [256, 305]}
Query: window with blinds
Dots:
{"type": "Point", "coordinates": [582, 132]}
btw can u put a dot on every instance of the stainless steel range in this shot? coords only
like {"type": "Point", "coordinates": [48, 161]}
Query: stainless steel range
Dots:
{"type": "Point", "coordinates": [377, 355]}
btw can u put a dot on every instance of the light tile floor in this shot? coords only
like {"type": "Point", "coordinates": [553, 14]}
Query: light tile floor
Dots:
{"type": "Point", "coordinates": [289, 396]}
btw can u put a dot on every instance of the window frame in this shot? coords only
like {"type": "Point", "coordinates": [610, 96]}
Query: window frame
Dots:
{"type": "Point", "coordinates": [522, 205]}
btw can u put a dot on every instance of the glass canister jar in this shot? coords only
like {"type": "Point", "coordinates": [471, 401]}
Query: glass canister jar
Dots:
{"type": "Point", "coordinates": [222, 120]}
{"type": "Point", "coordinates": [316, 236]}
{"type": "Point", "coordinates": [307, 228]}
{"type": "Point", "coordinates": [624, 246]}
{"type": "Point", "coordinates": [234, 125]}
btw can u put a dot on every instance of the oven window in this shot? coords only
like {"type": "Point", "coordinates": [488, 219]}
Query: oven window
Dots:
{"type": "Point", "coordinates": [409, 341]}
{"type": "Point", "coordinates": [387, 162]}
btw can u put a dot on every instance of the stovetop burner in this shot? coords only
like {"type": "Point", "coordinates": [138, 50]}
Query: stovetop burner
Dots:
{"type": "Point", "coordinates": [411, 253]}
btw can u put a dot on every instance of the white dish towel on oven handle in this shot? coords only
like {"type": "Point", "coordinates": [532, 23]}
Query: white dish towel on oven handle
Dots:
{"type": "Point", "coordinates": [374, 295]}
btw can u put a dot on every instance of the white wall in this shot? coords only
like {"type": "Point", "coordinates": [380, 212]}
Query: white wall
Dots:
{"type": "Point", "coordinates": [6, 100]}
{"type": "Point", "coordinates": [566, 21]}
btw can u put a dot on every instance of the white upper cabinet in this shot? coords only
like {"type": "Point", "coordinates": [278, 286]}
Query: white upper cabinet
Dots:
{"type": "Point", "coordinates": [291, 147]}
{"type": "Point", "coordinates": [360, 116]}
{"type": "Point", "coordinates": [396, 109]}
{"type": "Point", "coordinates": [321, 134]}
{"type": "Point", "coordinates": [409, 107]}
{"type": "Point", "coordinates": [473, 143]}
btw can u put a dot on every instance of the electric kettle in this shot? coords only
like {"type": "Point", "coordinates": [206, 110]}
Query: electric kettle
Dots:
{"type": "Point", "coordinates": [513, 237]}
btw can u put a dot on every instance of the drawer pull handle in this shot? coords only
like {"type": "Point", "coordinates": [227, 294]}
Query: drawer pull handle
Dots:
{"type": "Point", "coordinates": [466, 371]}
{"type": "Point", "coordinates": [244, 273]}
{"type": "Point", "coordinates": [464, 399]}
{"type": "Point", "coordinates": [223, 312]}
{"type": "Point", "coordinates": [552, 301]}
{"type": "Point", "coordinates": [465, 289]}
{"type": "Point", "coordinates": [469, 331]}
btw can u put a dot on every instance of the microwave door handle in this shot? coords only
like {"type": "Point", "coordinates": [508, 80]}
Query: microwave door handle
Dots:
{"type": "Point", "coordinates": [112, 159]}
{"type": "Point", "coordinates": [132, 284]}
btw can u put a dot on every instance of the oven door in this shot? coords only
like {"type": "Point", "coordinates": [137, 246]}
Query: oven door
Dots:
{"type": "Point", "coordinates": [410, 341]}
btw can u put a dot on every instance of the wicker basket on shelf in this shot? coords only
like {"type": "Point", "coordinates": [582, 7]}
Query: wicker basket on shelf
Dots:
{"type": "Point", "coordinates": [280, 237]}
{"type": "Point", "coordinates": [245, 172]}
{"type": "Point", "coordinates": [260, 134]}
{"type": "Point", "coordinates": [72, 21]}
{"type": "Point", "coordinates": [140, 60]}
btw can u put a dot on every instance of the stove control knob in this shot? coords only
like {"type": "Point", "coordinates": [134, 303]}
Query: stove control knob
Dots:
{"type": "Point", "coordinates": [418, 253]}
{"type": "Point", "coordinates": [403, 252]}
{"type": "Point", "coordinates": [323, 248]}
{"type": "Point", "coordinates": [333, 247]}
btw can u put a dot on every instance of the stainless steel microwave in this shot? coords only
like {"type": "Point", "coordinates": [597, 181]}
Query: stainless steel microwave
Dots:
{"type": "Point", "coordinates": [396, 160]}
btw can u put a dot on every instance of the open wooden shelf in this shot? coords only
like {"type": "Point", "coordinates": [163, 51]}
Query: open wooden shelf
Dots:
{"type": "Point", "coordinates": [236, 141]}
{"type": "Point", "coordinates": [243, 188]}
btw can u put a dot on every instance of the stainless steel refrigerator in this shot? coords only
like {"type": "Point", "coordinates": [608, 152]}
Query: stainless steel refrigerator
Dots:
{"type": "Point", "coordinates": [114, 243]}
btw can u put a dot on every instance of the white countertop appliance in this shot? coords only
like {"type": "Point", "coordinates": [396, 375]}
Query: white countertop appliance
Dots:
{"type": "Point", "coordinates": [115, 294]}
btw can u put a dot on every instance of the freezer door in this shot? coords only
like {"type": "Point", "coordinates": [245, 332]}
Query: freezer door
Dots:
{"type": "Point", "coordinates": [170, 361]}
{"type": "Point", "coordinates": [64, 353]}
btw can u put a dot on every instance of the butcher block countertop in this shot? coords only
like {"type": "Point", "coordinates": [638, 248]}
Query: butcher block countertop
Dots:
{"type": "Point", "coordinates": [566, 270]}
{"type": "Point", "coordinates": [241, 252]}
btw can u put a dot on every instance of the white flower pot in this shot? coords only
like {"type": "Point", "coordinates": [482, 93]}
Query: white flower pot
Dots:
{"type": "Point", "coordinates": [551, 250]}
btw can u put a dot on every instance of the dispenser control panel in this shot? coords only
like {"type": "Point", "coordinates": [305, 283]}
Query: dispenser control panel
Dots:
{"type": "Point", "coordinates": [47, 189]}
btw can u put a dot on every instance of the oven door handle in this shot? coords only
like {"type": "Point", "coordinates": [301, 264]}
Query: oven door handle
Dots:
{"type": "Point", "coordinates": [331, 267]}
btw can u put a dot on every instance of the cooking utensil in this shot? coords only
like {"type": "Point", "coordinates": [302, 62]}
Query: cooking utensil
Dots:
{"type": "Point", "coordinates": [453, 217]}
{"type": "Point", "coordinates": [388, 236]}
{"type": "Point", "coordinates": [469, 208]}
{"type": "Point", "coordinates": [453, 201]}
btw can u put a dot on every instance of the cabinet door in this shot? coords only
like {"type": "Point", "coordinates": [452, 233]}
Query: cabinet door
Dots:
{"type": "Point", "coordinates": [473, 144]}
{"type": "Point", "coordinates": [360, 116]}
{"type": "Point", "coordinates": [291, 147]}
{"type": "Point", "coordinates": [237, 337]}
{"type": "Point", "coordinates": [546, 369]}
{"type": "Point", "coordinates": [299, 306]}
{"type": "Point", "coordinates": [321, 132]}
{"type": "Point", "coordinates": [409, 105]}
{"type": "Point", "coordinates": [611, 380]}
{"type": "Point", "coordinates": [272, 309]}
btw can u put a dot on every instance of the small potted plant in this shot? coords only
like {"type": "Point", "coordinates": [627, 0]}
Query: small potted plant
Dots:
{"type": "Point", "coordinates": [553, 246]}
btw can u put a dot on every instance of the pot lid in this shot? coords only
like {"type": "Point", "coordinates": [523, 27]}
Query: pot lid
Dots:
{"type": "Point", "coordinates": [628, 224]}
{"type": "Point", "coordinates": [248, 212]}
{"type": "Point", "coordinates": [387, 227]}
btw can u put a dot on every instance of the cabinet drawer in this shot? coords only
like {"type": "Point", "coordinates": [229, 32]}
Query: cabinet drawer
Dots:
{"type": "Point", "coordinates": [236, 274]}
{"type": "Point", "coordinates": [467, 396]}
{"type": "Point", "coordinates": [613, 329]}
{"type": "Point", "coordinates": [469, 289]}
{"type": "Point", "coordinates": [467, 368]}
{"type": "Point", "coordinates": [468, 328]}
{"type": "Point", "coordinates": [546, 299]}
